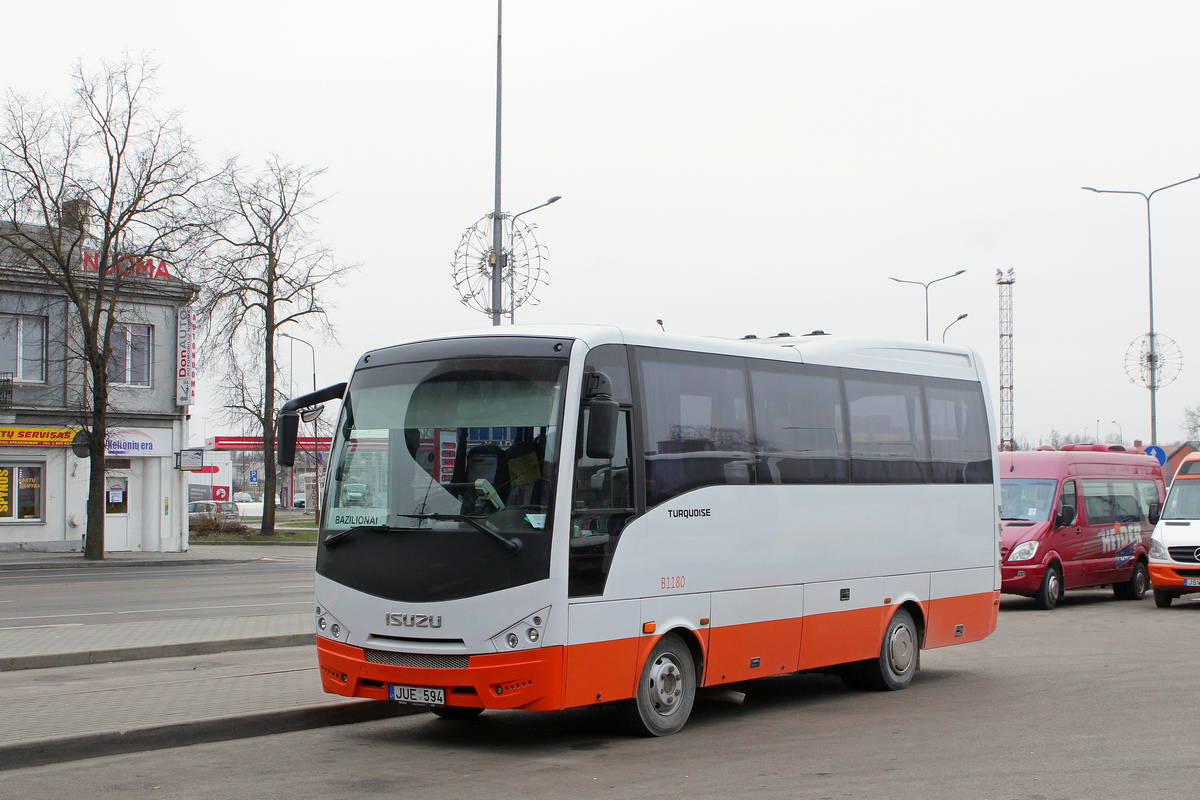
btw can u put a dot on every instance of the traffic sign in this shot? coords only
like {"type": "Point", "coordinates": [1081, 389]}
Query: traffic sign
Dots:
{"type": "Point", "coordinates": [254, 477]}
{"type": "Point", "coordinates": [1158, 453]}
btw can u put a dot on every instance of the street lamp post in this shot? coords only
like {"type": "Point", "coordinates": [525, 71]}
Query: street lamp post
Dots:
{"type": "Point", "coordinates": [1152, 356]}
{"type": "Point", "coordinates": [959, 318]}
{"type": "Point", "coordinates": [512, 312]}
{"type": "Point", "coordinates": [927, 284]}
{"type": "Point", "coordinates": [1120, 431]}
{"type": "Point", "coordinates": [316, 503]}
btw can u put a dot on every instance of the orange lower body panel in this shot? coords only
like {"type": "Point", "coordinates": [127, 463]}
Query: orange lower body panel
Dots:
{"type": "Point", "coordinates": [525, 679]}
{"type": "Point", "coordinates": [975, 613]}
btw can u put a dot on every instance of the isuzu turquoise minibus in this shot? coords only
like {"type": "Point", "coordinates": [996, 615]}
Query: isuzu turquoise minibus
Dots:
{"type": "Point", "coordinates": [544, 518]}
{"type": "Point", "coordinates": [1175, 544]}
{"type": "Point", "coordinates": [1077, 517]}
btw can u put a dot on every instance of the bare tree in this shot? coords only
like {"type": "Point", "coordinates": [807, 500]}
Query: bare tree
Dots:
{"type": "Point", "coordinates": [90, 191]}
{"type": "Point", "coordinates": [1191, 423]}
{"type": "Point", "coordinates": [265, 271]}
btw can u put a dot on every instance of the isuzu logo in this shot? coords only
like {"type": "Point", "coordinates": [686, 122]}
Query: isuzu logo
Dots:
{"type": "Point", "coordinates": [413, 620]}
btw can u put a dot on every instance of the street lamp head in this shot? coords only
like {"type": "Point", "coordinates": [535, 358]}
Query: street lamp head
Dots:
{"type": "Point", "coordinates": [961, 316]}
{"type": "Point", "coordinates": [1090, 189]}
{"type": "Point", "coordinates": [960, 272]}
{"type": "Point", "coordinates": [554, 199]}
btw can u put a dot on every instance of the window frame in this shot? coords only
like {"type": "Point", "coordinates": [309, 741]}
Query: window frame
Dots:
{"type": "Point", "coordinates": [13, 499]}
{"type": "Point", "coordinates": [126, 332]}
{"type": "Point", "coordinates": [20, 360]}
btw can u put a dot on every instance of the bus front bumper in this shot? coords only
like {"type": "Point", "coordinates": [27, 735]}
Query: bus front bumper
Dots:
{"type": "Point", "coordinates": [529, 679]}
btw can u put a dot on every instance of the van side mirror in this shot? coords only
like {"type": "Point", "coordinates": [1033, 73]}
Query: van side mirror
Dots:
{"type": "Point", "coordinates": [1066, 515]}
{"type": "Point", "coordinates": [1153, 513]}
{"type": "Point", "coordinates": [285, 437]}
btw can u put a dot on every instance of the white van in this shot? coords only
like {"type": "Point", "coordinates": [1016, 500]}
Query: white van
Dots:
{"type": "Point", "coordinates": [1175, 543]}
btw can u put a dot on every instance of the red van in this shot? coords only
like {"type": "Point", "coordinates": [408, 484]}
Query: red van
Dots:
{"type": "Point", "coordinates": [1077, 517]}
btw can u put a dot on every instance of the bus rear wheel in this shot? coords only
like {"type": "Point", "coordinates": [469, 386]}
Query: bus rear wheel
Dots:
{"type": "Point", "coordinates": [666, 689]}
{"type": "Point", "coordinates": [898, 655]}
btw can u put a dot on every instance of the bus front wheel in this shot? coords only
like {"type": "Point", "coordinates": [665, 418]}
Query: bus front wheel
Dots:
{"type": "Point", "coordinates": [666, 689]}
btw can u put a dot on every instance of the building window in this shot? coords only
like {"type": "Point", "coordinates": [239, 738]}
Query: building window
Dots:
{"type": "Point", "coordinates": [23, 347]}
{"type": "Point", "coordinates": [129, 362]}
{"type": "Point", "coordinates": [20, 493]}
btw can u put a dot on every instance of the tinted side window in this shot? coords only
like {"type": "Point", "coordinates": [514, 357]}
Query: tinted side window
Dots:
{"type": "Point", "coordinates": [887, 428]}
{"type": "Point", "coordinates": [800, 424]}
{"type": "Point", "coordinates": [1099, 502]}
{"type": "Point", "coordinates": [696, 421]}
{"type": "Point", "coordinates": [959, 441]}
{"type": "Point", "coordinates": [612, 360]}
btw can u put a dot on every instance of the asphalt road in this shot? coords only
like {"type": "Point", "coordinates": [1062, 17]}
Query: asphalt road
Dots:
{"type": "Point", "coordinates": [1095, 699]}
{"type": "Point", "coordinates": [74, 596]}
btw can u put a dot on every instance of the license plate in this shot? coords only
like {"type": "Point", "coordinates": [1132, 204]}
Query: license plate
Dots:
{"type": "Point", "coordinates": [1191, 581]}
{"type": "Point", "coordinates": [417, 695]}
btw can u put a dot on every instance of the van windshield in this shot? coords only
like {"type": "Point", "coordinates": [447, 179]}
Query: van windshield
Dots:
{"type": "Point", "coordinates": [1183, 501]}
{"type": "Point", "coordinates": [1027, 498]}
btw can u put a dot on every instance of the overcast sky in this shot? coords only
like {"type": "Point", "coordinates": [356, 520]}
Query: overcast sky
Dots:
{"type": "Point", "coordinates": [728, 168]}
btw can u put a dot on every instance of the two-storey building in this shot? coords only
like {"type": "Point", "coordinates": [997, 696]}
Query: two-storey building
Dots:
{"type": "Point", "coordinates": [44, 389]}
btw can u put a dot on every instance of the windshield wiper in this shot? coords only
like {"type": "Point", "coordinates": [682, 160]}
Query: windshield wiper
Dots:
{"type": "Point", "coordinates": [334, 539]}
{"type": "Point", "coordinates": [512, 546]}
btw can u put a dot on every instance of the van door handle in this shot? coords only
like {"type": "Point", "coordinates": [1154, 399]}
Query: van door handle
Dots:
{"type": "Point", "coordinates": [1079, 530]}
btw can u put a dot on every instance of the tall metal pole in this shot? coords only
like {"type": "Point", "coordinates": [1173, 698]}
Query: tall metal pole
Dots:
{"type": "Point", "coordinates": [498, 254]}
{"type": "Point", "coordinates": [1152, 355]}
{"type": "Point", "coordinates": [927, 285]}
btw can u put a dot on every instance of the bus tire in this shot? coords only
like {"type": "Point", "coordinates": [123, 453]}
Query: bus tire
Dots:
{"type": "Point", "coordinates": [666, 689]}
{"type": "Point", "coordinates": [898, 655]}
{"type": "Point", "coordinates": [1135, 587]}
{"type": "Point", "coordinates": [1163, 599]}
{"type": "Point", "coordinates": [1051, 590]}
{"type": "Point", "coordinates": [457, 712]}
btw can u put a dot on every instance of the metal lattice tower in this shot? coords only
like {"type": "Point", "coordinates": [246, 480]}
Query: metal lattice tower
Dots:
{"type": "Point", "coordinates": [1005, 282]}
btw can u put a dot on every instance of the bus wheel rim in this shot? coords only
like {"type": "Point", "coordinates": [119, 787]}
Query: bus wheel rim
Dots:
{"type": "Point", "coordinates": [901, 649]}
{"type": "Point", "coordinates": [666, 684]}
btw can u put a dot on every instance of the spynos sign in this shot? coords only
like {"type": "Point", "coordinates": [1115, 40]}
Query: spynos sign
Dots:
{"type": "Point", "coordinates": [185, 358]}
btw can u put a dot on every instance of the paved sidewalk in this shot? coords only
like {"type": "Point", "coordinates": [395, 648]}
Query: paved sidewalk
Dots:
{"type": "Point", "coordinates": [68, 713]}
{"type": "Point", "coordinates": [198, 555]}
{"type": "Point", "coordinates": [47, 646]}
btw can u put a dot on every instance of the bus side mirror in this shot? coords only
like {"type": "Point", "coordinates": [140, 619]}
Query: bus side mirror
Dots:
{"type": "Point", "coordinates": [601, 440]}
{"type": "Point", "coordinates": [1154, 512]}
{"type": "Point", "coordinates": [1066, 515]}
{"type": "Point", "coordinates": [285, 437]}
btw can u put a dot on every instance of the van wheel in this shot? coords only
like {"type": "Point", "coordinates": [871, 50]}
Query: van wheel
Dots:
{"type": "Point", "coordinates": [1051, 590]}
{"type": "Point", "coordinates": [898, 654]}
{"type": "Point", "coordinates": [666, 690]}
{"type": "Point", "coordinates": [1135, 587]}
{"type": "Point", "coordinates": [1163, 599]}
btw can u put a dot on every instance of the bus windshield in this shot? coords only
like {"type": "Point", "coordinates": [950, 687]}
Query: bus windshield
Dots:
{"type": "Point", "coordinates": [1027, 499]}
{"type": "Point", "coordinates": [442, 475]}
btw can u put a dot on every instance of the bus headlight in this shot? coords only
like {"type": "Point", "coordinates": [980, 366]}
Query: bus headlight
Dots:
{"type": "Point", "coordinates": [329, 627]}
{"type": "Point", "coordinates": [526, 633]}
{"type": "Point", "coordinates": [1158, 551]}
{"type": "Point", "coordinates": [1023, 552]}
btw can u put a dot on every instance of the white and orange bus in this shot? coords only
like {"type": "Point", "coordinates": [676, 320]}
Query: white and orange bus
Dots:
{"type": "Point", "coordinates": [547, 518]}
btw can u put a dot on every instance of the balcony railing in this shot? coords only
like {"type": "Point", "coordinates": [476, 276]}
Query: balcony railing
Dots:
{"type": "Point", "coordinates": [6, 384]}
